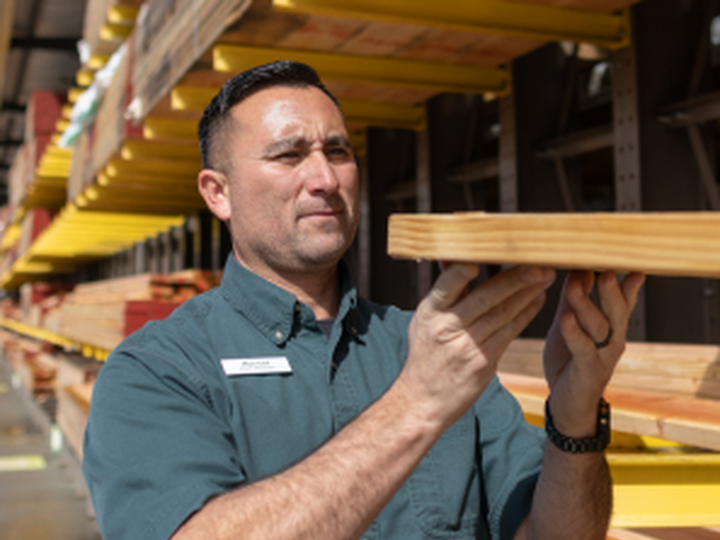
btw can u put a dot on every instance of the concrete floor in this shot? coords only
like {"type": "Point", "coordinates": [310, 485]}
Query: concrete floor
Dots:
{"type": "Point", "coordinates": [46, 502]}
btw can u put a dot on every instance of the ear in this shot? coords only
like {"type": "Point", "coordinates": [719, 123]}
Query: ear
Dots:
{"type": "Point", "coordinates": [214, 188]}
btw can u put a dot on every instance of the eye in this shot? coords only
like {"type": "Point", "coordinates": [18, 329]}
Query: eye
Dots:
{"type": "Point", "coordinates": [288, 156]}
{"type": "Point", "coordinates": [338, 153]}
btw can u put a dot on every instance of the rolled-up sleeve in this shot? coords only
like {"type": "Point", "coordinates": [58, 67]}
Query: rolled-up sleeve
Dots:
{"type": "Point", "coordinates": [512, 453]}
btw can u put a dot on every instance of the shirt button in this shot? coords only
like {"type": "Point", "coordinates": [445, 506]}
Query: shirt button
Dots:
{"type": "Point", "coordinates": [279, 335]}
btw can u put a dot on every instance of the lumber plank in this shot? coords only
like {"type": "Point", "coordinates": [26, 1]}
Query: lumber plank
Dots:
{"type": "Point", "coordinates": [660, 243]}
{"type": "Point", "coordinates": [72, 413]}
{"type": "Point", "coordinates": [686, 420]}
{"type": "Point", "coordinates": [669, 533]}
{"type": "Point", "coordinates": [684, 369]}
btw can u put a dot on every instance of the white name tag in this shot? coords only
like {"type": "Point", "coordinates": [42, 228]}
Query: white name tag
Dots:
{"type": "Point", "coordinates": [256, 366]}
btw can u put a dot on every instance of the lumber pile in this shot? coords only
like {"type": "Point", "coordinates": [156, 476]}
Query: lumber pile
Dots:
{"type": "Point", "coordinates": [662, 243]}
{"type": "Point", "coordinates": [103, 313]}
{"type": "Point", "coordinates": [36, 177]}
{"type": "Point", "coordinates": [659, 390]}
{"type": "Point", "coordinates": [121, 164]}
{"type": "Point", "coordinates": [675, 533]}
{"type": "Point", "coordinates": [171, 38]}
{"type": "Point", "coordinates": [73, 407]}
{"type": "Point", "coordinates": [73, 386]}
{"type": "Point", "coordinates": [107, 24]}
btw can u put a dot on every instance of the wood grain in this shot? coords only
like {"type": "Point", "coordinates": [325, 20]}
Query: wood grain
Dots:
{"type": "Point", "coordinates": [663, 415]}
{"type": "Point", "coordinates": [660, 243]}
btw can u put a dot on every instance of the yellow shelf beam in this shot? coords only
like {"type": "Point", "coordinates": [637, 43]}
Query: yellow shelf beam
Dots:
{"type": "Point", "coordinates": [192, 98]}
{"type": "Point", "coordinates": [41, 334]}
{"type": "Point", "coordinates": [531, 21]}
{"type": "Point", "coordinates": [666, 490]}
{"type": "Point", "coordinates": [367, 113]}
{"type": "Point", "coordinates": [137, 168]}
{"type": "Point", "coordinates": [114, 32]}
{"type": "Point", "coordinates": [140, 149]}
{"type": "Point", "coordinates": [122, 14]}
{"type": "Point", "coordinates": [170, 128]}
{"type": "Point", "coordinates": [147, 181]}
{"type": "Point", "coordinates": [394, 72]}
{"type": "Point", "coordinates": [78, 236]}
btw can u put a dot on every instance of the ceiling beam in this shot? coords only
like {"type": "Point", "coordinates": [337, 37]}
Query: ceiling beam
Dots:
{"type": "Point", "coordinates": [7, 15]}
{"type": "Point", "coordinates": [394, 72]}
{"type": "Point", "coordinates": [545, 23]}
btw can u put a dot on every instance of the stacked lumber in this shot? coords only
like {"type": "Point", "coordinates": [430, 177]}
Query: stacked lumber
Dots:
{"type": "Point", "coordinates": [116, 169]}
{"type": "Point", "coordinates": [73, 407]}
{"type": "Point", "coordinates": [37, 368]}
{"type": "Point", "coordinates": [675, 533]}
{"type": "Point", "coordinates": [74, 382]}
{"type": "Point", "coordinates": [666, 391]}
{"type": "Point", "coordinates": [42, 187]}
{"type": "Point", "coordinates": [39, 299]}
{"type": "Point", "coordinates": [663, 243]}
{"type": "Point", "coordinates": [103, 313]}
{"type": "Point", "coordinates": [171, 38]}
{"type": "Point", "coordinates": [107, 24]}
{"type": "Point", "coordinates": [682, 369]}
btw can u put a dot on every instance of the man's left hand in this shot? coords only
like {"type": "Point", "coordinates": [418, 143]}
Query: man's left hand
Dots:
{"type": "Point", "coordinates": [584, 345]}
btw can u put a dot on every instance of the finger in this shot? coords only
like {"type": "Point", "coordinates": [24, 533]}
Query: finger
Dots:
{"type": "Point", "coordinates": [631, 285]}
{"type": "Point", "coordinates": [579, 343]}
{"type": "Point", "coordinates": [497, 290]}
{"type": "Point", "coordinates": [618, 300]}
{"type": "Point", "coordinates": [451, 285]}
{"type": "Point", "coordinates": [590, 317]}
{"type": "Point", "coordinates": [497, 343]}
{"type": "Point", "coordinates": [505, 313]}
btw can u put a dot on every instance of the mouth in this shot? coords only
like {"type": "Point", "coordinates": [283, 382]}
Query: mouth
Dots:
{"type": "Point", "coordinates": [322, 213]}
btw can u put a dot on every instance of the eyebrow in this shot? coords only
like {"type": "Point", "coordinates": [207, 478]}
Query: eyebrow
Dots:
{"type": "Point", "coordinates": [289, 143]}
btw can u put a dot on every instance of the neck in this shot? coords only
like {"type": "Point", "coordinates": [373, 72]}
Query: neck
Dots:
{"type": "Point", "coordinates": [319, 288]}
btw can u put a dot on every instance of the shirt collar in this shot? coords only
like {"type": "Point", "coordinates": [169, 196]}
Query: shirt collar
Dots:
{"type": "Point", "coordinates": [271, 308]}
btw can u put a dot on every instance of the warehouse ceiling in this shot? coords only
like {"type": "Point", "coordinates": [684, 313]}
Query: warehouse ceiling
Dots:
{"type": "Point", "coordinates": [38, 51]}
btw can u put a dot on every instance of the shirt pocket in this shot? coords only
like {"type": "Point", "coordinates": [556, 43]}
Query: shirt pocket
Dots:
{"type": "Point", "coordinates": [446, 488]}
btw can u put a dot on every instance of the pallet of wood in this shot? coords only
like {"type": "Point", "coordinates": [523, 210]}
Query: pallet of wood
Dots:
{"type": "Point", "coordinates": [661, 243]}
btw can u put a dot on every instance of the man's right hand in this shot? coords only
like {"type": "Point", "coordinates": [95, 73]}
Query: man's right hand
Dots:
{"type": "Point", "coordinates": [456, 337]}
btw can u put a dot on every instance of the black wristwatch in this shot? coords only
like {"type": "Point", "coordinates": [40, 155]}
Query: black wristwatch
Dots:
{"type": "Point", "coordinates": [598, 443]}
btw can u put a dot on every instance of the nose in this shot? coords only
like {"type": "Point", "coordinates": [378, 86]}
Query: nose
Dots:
{"type": "Point", "coordinates": [320, 174]}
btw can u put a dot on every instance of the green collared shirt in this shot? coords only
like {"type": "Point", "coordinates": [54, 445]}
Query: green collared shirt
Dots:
{"type": "Point", "coordinates": [240, 383]}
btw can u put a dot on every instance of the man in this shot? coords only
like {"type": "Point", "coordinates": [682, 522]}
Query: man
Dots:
{"type": "Point", "coordinates": [280, 405]}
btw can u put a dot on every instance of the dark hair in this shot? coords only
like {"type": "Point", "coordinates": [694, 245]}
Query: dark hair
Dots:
{"type": "Point", "coordinates": [241, 87]}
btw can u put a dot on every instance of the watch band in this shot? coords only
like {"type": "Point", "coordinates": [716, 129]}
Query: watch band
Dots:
{"type": "Point", "coordinates": [597, 443]}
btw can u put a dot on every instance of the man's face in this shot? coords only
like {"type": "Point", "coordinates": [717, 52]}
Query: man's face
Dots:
{"type": "Point", "coordinates": [293, 183]}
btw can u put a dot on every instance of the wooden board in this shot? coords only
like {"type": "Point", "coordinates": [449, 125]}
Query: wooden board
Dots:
{"type": "Point", "coordinates": [72, 413]}
{"type": "Point", "coordinates": [662, 243]}
{"type": "Point", "coordinates": [691, 421]}
{"type": "Point", "coordinates": [688, 370]}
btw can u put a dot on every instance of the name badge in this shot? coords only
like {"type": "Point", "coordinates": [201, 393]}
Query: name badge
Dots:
{"type": "Point", "coordinates": [256, 366]}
